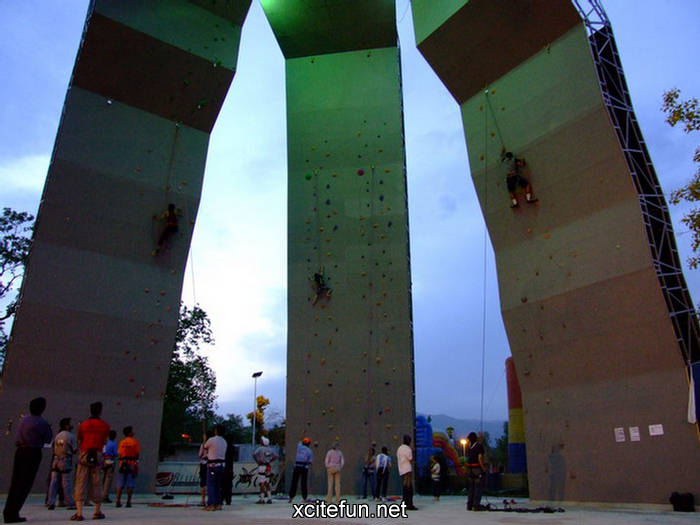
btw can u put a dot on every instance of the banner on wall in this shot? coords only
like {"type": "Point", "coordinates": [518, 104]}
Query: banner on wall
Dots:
{"type": "Point", "coordinates": [182, 477]}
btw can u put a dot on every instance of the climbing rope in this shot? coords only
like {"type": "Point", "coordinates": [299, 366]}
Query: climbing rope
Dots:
{"type": "Point", "coordinates": [171, 160]}
{"type": "Point", "coordinates": [317, 224]}
{"type": "Point", "coordinates": [495, 120]}
{"type": "Point", "coordinates": [371, 240]}
{"type": "Point", "coordinates": [483, 315]}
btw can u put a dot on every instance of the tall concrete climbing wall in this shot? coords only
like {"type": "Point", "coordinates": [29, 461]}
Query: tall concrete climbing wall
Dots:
{"type": "Point", "coordinates": [98, 312]}
{"type": "Point", "coordinates": [603, 380]}
{"type": "Point", "coordinates": [350, 355]}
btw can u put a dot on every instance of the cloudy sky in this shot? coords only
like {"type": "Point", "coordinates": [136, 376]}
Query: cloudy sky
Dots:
{"type": "Point", "coordinates": [237, 270]}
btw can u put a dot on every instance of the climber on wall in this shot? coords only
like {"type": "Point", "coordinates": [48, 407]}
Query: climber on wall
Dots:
{"type": "Point", "coordinates": [515, 179]}
{"type": "Point", "coordinates": [318, 283]}
{"type": "Point", "coordinates": [170, 218]}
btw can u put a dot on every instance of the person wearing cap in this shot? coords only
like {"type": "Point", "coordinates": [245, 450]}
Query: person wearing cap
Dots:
{"type": "Point", "coordinates": [215, 448]}
{"type": "Point", "coordinates": [32, 433]}
{"type": "Point", "coordinates": [129, 451]}
{"type": "Point", "coordinates": [302, 462]}
{"type": "Point", "coordinates": [334, 464]}
{"type": "Point", "coordinates": [404, 460]}
{"type": "Point", "coordinates": [264, 456]}
{"type": "Point", "coordinates": [64, 446]}
{"type": "Point", "coordinates": [92, 436]}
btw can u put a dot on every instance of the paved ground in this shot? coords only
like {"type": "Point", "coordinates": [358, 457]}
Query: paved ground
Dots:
{"type": "Point", "coordinates": [449, 510]}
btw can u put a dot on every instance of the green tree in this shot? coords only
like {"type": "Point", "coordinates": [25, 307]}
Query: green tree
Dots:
{"type": "Point", "coordinates": [15, 240]}
{"type": "Point", "coordinates": [190, 397]}
{"type": "Point", "coordinates": [686, 112]}
{"type": "Point", "coordinates": [499, 454]}
{"type": "Point", "coordinates": [277, 433]}
{"type": "Point", "coordinates": [233, 426]}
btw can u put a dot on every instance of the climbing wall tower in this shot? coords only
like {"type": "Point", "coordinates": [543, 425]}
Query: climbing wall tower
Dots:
{"type": "Point", "coordinates": [350, 352]}
{"type": "Point", "coordinates": [98, 312]}
{"type": "Point", "coordinates": [597, 313]}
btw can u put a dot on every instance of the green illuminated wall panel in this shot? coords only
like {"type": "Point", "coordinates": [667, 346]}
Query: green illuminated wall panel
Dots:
{"type": "Point", "coordinates": [350, 356]}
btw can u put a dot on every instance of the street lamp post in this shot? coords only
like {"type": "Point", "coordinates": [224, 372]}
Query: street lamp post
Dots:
{"type": "Point", "coordinates": [464, 445]}
{"type": "Point", "coordinates": [255, 406]}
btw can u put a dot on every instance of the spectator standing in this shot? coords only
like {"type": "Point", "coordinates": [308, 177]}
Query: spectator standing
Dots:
{"type": "Point", "coordinates": [264, 456]}
{"type": "Point", "coordinates": [32, 433]}
{"type": "Point", "coordinates": [215, 448]}
{"type": "Point", "coordinates": [92, 437]}
{"type": "Point", "coordinates": [64, 446]}
{"type": "Point", "coordinates": [404, 459]}
{"type": "Point", "coordinates": [129, 452]}
{"type": "Point", "coordinates": [109, 454]}
{"type": "Point", "coordinates": [369, 474]}
{"type": "Point", "coordinates": [334, 464]}
{"type": "Point", "coordinates": [383, 467]}
{"type": "Point", "coordinates": [302, 462]}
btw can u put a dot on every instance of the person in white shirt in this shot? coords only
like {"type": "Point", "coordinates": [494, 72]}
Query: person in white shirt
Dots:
{"type": "Point", "coordinates": [404, 460]}
{"type": "Point", "coordinates": [334, 463]}
{"type": "Point", "coordinates": [264, 456]}
{"type": "Point", "coordinates": [215, 448]}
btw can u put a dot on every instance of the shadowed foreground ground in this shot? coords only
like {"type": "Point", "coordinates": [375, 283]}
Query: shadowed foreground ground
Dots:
{"type": "Point", "coordinates": [449, 511]}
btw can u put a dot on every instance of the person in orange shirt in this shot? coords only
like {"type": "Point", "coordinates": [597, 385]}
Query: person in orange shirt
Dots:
{"type": "Point", "coordinates": [129, 450]}
{"type": "Point", "coordinates": [92, 436]}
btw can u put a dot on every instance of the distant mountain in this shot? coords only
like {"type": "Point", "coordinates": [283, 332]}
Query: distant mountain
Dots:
{"type": "Point", "coordinates": [462, 427]}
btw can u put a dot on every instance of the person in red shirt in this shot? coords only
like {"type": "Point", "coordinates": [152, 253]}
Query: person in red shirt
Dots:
{"type": "Point", "coordinates": [129, 450]}
{"type": "Point", "coordinates": [92, 436]}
